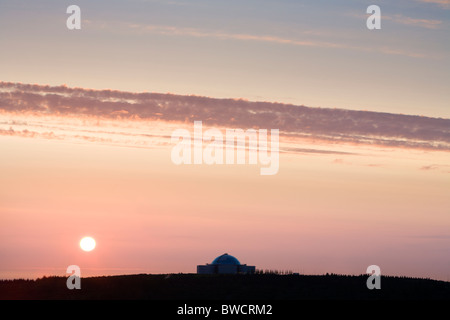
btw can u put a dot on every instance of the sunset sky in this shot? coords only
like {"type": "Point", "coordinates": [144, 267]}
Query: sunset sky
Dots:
{"type": "Point", "coordinates": [85, 127]}
{"type": "Point", "coordinates": [316, 53]}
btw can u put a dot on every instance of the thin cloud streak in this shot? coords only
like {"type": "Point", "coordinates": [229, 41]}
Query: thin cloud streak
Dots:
{"type": "Point", "coordinates": [170, 30]}
{"type": "Point", "coordinates": [405, 20]}
{"type": "Point", "coordinates": [424, 23]}
{"type": "Point", "coordinates": [445, 4]}
{"type": "Point", "coordinates": [192, 32]}
{"type": "Point", "coordinates": [294, 122]}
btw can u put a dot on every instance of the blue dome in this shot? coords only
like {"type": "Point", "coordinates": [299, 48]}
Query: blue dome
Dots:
{"type": "Point", "coordinates": [226, 259]}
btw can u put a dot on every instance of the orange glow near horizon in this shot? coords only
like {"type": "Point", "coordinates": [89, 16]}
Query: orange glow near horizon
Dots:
{"type": "Point", "coordinates": [86, 124]}
{"type": "Point", "coordinates": [323, 212]}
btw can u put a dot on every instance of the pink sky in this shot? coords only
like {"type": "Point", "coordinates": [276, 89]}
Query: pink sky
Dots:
{"type": "Point", "coordinates": [354, 188]}
{"type": "Point", "coordinates": [340, 211]}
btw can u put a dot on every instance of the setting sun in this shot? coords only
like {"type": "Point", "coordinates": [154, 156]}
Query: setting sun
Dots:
{"type": "Point", "coordinates": [87, 244]}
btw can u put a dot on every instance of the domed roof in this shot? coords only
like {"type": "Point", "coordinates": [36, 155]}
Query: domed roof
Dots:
{"type": "Point", "coordinates": [226, 259]}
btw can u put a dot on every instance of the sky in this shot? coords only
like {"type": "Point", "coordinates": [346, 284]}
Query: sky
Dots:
{"type": "Point", "coordinates": [315, 53]}
{"type": "Point", "coordinates": [86, 118]}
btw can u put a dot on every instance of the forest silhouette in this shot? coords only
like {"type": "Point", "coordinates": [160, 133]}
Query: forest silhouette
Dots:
{"type": "Point", "coordinates": [267, 285]}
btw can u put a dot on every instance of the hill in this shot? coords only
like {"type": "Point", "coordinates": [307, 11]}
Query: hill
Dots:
{"type": "Point", "coordinates": [226, 287]}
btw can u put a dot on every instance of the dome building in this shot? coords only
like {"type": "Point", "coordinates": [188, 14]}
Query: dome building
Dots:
{"type": "Point", "coordinates": [225, 264]}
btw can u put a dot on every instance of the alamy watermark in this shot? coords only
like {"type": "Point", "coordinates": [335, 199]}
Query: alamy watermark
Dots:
{"type": "Point", "coordinates": [230, 150]}
{"type": "Point", "coordinates": [374, 280]}
{"type": "Point", "coordinates": [374, 20]}
{"type": "Point", "coordinates": [74, 20]}
{"type": "Point", "coordinates": [74, 280]}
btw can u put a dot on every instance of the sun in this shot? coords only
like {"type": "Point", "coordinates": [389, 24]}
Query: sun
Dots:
{"type": "Point", "coordinates": [87, 244]}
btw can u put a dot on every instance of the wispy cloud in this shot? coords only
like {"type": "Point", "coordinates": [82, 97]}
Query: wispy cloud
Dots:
{"type": "Point", "coordinates": [429, 167]}
{"type": "Point", "coordinates": [193, 32]}
{"type": "Point", "coordinates": [294, 122]}
{"type": "Point", "coordinates": [442, 3]}
{"type": "Point", "coordinates": [423, 23]}
{"type": "Point", "coordinates": [199, 33]}
{"type": "Point", "coordinates": [405, 20]}
{"type": "Point", "coordinates": [435, 167]}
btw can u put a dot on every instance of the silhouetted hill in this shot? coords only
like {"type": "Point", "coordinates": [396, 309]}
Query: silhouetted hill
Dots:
{"type": "Point", "coordinates": [225, 287]}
